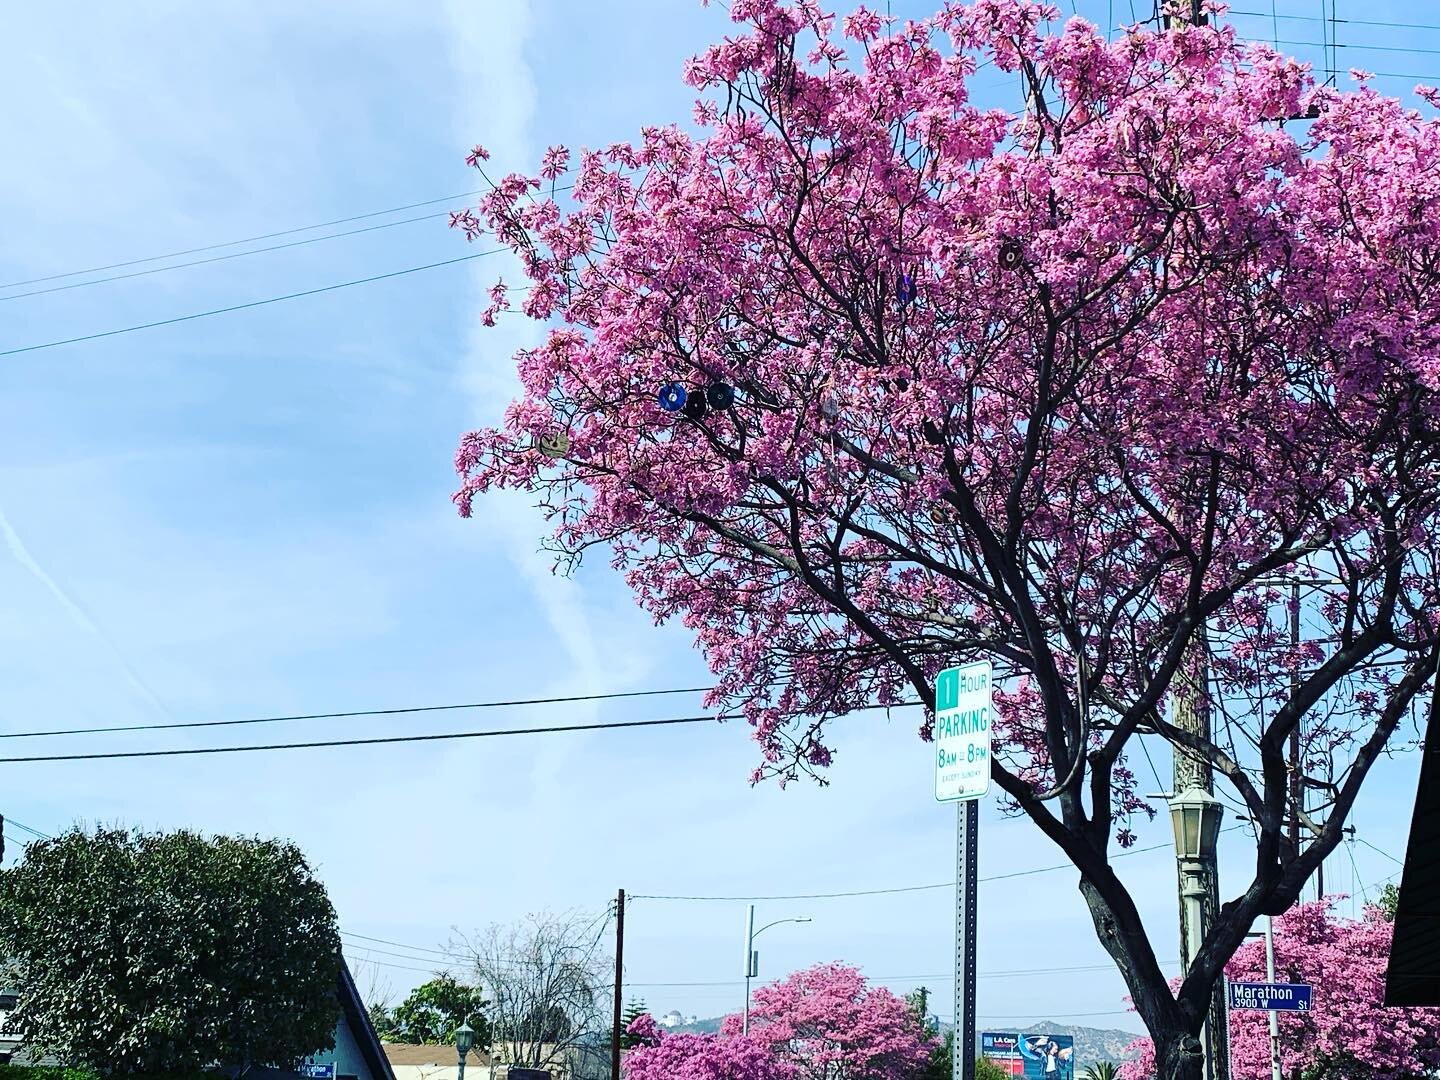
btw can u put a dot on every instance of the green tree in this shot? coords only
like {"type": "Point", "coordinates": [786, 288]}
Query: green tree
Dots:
{"type": "Point", "coordinates": [1389, 901]}
{"type": "Point", "coordinates": [633, 1011]}
{"type": "Point", "coordinates": [1100, 1070]}
{"type": "Point", "coordinates": [985, 1069]}
{"type": "Point", "coordinates": [381, 1019]}
{"type": "Point", "coordinates": [942, 1058]}
{"type": "Point", "coordinates": [146, 953]}
{"type": "Point", "coordinates": [435, 1010]}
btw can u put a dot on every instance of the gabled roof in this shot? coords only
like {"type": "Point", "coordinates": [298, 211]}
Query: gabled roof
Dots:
{"type": "Point", "coordinates": [1414, 974]}
{"type": "Point", "coordinates": [358, 1018]}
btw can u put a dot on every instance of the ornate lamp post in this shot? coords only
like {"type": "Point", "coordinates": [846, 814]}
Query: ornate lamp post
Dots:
{"type": "Point", "coordinates": [464, 1041]}
{"type": "Point", "coordinates": [1196, 816]}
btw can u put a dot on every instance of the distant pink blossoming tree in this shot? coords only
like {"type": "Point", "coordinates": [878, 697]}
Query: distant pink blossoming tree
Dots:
{"type": "Point", "coordinates": [829, 1024]}
{"type": "Point", "coordinates": [861, 379]}
{"type": "Point", "coordinates": [823, 1023]}
{"type": "Point", "coordinates": [1348, 1034]}
{"type": "Point", "coordinates": [683, 1056]}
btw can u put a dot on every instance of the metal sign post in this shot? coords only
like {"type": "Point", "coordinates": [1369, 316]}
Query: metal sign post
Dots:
{"type": "Point", "coordinates": [967, 840]}
{"type": "Point", "coordinates": [963, 710]}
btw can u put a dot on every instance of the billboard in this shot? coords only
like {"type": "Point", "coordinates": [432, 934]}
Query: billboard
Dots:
{"type": "Point", "coordinates": [1035, 1057]}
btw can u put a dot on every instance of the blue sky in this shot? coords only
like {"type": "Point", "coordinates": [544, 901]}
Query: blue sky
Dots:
{"type": "Point", "coordinates": [249, 515]}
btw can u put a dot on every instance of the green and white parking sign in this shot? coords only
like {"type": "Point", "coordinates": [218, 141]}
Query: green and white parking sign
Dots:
{"type": "Point", "coordinates": [963, 710]}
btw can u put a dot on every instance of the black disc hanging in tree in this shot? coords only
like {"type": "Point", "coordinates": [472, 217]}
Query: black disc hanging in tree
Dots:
{"type": "Point", "coordinates": [1011, 255]}
{"type": "Point", "coordinates": [694, 406]}
{"type": "Point", "coordinates": [720, 396]}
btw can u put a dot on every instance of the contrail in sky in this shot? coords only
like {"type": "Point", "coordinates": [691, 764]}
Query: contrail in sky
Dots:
{"type": "Point", "coordinates": [76, 612]}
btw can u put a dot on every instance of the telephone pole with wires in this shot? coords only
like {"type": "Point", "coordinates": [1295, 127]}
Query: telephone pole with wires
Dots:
{"type": "Point", "coordinates": [619, 979]}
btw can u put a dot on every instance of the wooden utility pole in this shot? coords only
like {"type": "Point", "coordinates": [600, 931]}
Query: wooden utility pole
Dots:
{"type": "Point", "coordinates": [619, 979]}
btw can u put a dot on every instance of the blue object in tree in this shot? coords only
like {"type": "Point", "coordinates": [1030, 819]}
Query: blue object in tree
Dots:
{"type": "Point", "coordinates": [672, 397]}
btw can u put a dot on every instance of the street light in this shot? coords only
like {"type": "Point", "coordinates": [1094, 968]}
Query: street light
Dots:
{"type": "Point", "coordinates": [464, 1040]}
{"type": "Point", "coordinates": [1196, 815]}
{"type": "Point", "coordinates": [752, 958]}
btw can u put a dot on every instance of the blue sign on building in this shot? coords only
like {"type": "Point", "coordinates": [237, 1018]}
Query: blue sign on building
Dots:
{"type": "Point", "coordinates": [1287, 997]}
{"type": "Point", "coordinates": [318, 1072]}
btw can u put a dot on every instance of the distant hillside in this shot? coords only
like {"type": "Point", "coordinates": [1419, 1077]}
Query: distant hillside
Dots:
{"type": "Point", "coordinates": [701, 1027]}
{"type": "Point", "coordinates": [1091, 1044]}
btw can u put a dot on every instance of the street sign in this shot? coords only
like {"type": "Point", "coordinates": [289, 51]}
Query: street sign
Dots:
{"type": "Point", "coordinates": [962, 732]}
{"type": "Point", "coordinates": [1285, 997]}
{"type": "Point", "coordinates": [318, 1072]}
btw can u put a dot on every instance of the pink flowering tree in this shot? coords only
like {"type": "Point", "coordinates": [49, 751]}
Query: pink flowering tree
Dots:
{"type": "Point", "coordinates": [1348, 1034]}
{"type": "Point", "coordinates": [828, 1024]}
{"type": "Point", "coordinates": [659, 1055]}
{"type": "Point", "coordinates": [858, 379]}
{"type": "Point", "coordinates": [824, 1023]}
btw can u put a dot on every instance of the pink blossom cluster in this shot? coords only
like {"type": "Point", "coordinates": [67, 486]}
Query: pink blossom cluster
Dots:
{"type": "Point", "coordinates": [1348, 1027]}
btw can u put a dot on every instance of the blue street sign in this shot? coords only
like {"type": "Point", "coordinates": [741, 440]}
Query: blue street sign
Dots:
{"type": "Point", "coordinates": [318, 1072]}
{"type": "Point", "coordinates": [1285, 997]}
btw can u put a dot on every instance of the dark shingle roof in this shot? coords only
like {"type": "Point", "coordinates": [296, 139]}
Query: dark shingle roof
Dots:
{"type": "Point", "coordinates": [1414, 974]}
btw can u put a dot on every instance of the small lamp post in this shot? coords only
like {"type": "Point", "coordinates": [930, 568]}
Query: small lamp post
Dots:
{"type": "Point", "coordinates": [464, 1041]}
{"type": "Point", "coordinates": [752, 958]}
{"type": "Point", "coordinates": [1196, 816]}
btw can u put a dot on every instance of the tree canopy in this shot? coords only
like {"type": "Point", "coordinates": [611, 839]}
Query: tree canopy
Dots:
{"type": "Point", "coordinates": [147, 953]}
{"type": "Point", "coordinates": [434, 1011]}
{"type": "Point", "coordinates": [823, 1023]}
{"type": "Point", "coordinates": [861, 380]}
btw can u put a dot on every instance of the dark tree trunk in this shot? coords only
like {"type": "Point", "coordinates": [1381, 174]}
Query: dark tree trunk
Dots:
{"type": "Point", "coordinates": [1178, 1056]}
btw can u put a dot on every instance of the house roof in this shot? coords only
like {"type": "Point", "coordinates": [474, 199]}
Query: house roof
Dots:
{"type": "Point", "coordinates": [427, 1054]}
{"type": "Point", "coordinates": [1414, 974]}
{"type": "Point", "coordinates": [358, 1017]}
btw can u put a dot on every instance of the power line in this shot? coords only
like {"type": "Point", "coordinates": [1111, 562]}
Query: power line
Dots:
{"type": "Point", "coordinates": [1348, 22]}
{"type": "Point", "coordinates": [900, 889]}
{"type": "Point", "coordinates": [236, 243]}
{"type": "Point", "coordinates": [397, 944]}
{"type": "Point", "coordinates": [356, 713]}
{"type": "Point", "coordinates": [1379, 851]}
{"type": "Point", "coordinates": [403, 956]}
{"type": "Point", "coordinates": [1078, 969]}
{"type": "Point", "coordinates": [33, 832]}
{"type": "Point", "coordinates": [222, 258]}
{"type": "Point", "coordinates": [397, 967]}
{"type": "Point", "coordinates": [1368, 48]}
{"type": "Point", "coordinates": [378, 741]}
{"type": "Point", "coordinates": [250, 304]}
{"type": "Point", "coordinates": [387, 739]}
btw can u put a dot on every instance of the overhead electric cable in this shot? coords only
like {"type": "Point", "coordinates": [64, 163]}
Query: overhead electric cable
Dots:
{"type": "Point", "coordinates": [1379, 851]}
{"type": "Point", "coordinates": [1350, 22]}
{"type": "Point", "coordinates": [907, 888]}
{"type": "Point", "coordinates": [28, 829]}
{"type": "Point", "coordinates": [222, 258]}
{"type": "Point", "coordinates": [399, 711]}
{"type": "Point", "coordinates": [250, 304]}
{"type": "Point", "coordinates": [237, 243]}
{"type": "Point", "coordinates": [382, 740]}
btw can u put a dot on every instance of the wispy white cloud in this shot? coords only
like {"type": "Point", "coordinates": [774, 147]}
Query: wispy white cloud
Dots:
{"type": "Point", "coordinates": [497, 109]}
{"type": "Point", "coordinates": [78, 614]}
